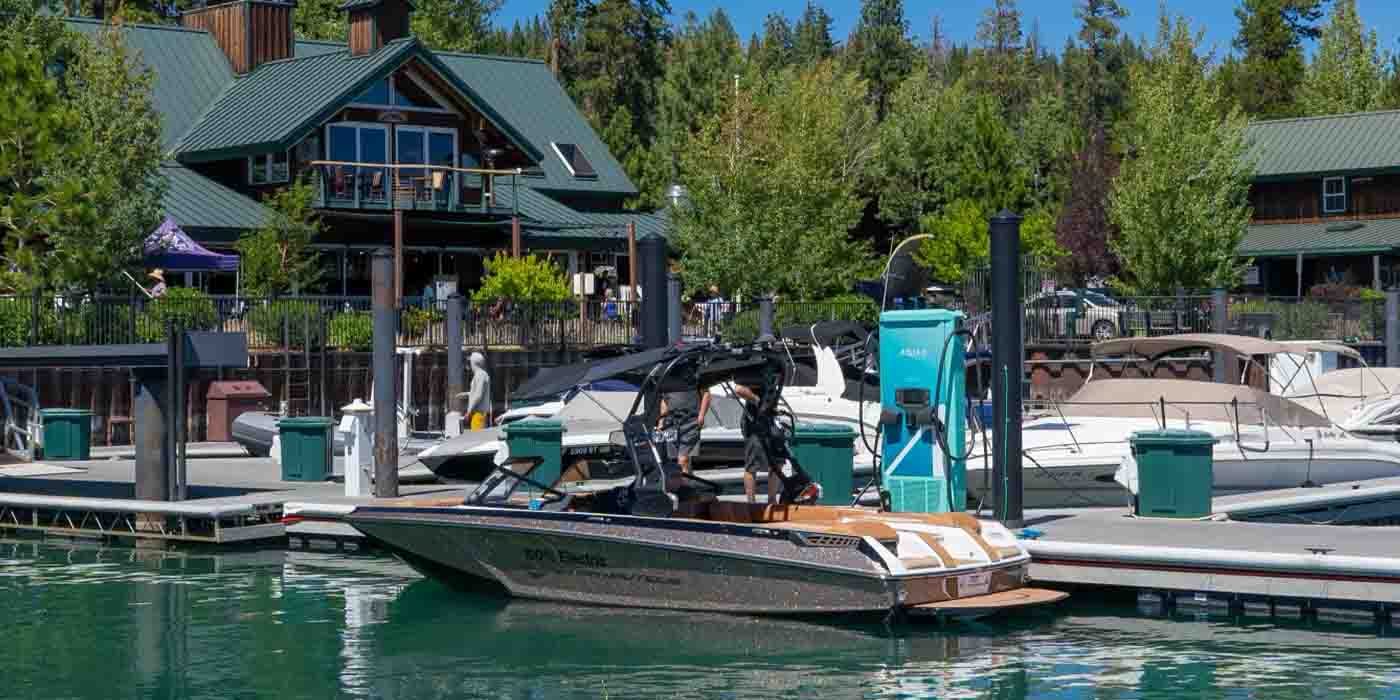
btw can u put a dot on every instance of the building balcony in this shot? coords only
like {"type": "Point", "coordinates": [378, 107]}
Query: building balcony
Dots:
{"type": "Point", "coordinates": [398, 186]}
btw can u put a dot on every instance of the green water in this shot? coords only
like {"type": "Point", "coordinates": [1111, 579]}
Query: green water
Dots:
{"type": "Point", "coordinates": [83, 621]}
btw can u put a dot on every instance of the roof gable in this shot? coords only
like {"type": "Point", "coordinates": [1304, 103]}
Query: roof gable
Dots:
{"type": "Point", "coordinates": [527, 96]}
{"type": "Point", "coordinates": [1343, 143]}
{"type": "Point", "coordinates": [279, 103]}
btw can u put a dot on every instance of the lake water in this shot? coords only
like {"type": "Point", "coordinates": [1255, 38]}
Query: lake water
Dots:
{"type": "Point", "coordinates": [84, 621]}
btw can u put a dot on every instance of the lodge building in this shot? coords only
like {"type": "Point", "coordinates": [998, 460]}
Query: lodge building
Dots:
{"type": "Point", "coordinates": [1326, 199]}
{"type": "Point", "coordinates": [447, 157]}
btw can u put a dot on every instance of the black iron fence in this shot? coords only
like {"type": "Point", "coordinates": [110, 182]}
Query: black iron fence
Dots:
{"type": "Point", "coordinates": [334, 322]}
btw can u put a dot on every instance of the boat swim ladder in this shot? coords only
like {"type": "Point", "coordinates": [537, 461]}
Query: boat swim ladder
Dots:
{"type": "Point", "coordinates": [20, 404]}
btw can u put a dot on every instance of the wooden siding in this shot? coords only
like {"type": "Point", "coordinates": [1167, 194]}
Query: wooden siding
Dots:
{"type": "Point", "coordinates": [229, 27]}
{"type": "Point", "coordinates": [1300, 201]}
{"type": "Point", "coordinates": [363, 38]}
{"type": "Point", "coordinates": [250, 33]}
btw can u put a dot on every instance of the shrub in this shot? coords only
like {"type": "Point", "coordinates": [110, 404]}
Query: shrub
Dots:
{"type": "Point", "coordinates": [293, 318]}
{"type": "Point", "coordinates": [417, 320]}
{"type": "Point", "coordinates": [352, 330]}
{"type": "Point", "coordinates": [189, 309]}
{"type": "Point", "coordinates": [525, 279]}
{"type": "Point", "coordinates": [15, 318]}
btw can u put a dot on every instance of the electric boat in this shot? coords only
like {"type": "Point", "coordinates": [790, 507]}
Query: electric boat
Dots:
{"type": "Point", "coordinates": [661, 538]}
{"type": "Point", "coordinates": [1073, 449]}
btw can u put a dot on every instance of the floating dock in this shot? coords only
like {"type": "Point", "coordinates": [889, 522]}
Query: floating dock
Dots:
{"type": "Point", "coordinates": [233, 500]}
{"type": "Point", "coordinates": [1293, 552]}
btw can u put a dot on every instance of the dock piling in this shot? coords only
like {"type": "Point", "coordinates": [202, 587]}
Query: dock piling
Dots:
{"type": "Point", "coordinates": [386, 437]}
{"type": "Point", "coordinates": [1007, 367]}
{"type": "Point", "coordinates": [1392, 328]}
{"type": "Point", "coordinates": [455, 369]}
{"type": "Point", "coordinates": [655, 305]}
{"type": "Point", "coordinates": [1219, 320]}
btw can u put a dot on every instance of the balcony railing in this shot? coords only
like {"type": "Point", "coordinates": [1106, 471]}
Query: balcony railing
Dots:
{"type": "Point", "coordinates": [351, 185]}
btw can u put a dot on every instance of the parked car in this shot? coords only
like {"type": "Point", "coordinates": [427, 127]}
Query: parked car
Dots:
{"type": "Point", "coordinates": [1074, 313]}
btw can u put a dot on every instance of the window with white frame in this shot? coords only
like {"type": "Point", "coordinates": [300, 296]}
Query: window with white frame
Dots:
{"type": "Point", "coordinates": [1334, 195]}
{"type": "Point", "coordinates": [401, 92]}
{"type": "Point", "coordinates": [269, 168]}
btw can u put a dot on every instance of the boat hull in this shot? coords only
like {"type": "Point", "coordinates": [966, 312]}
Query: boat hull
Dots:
{"type": "Point", "coordinates": [669, 564]}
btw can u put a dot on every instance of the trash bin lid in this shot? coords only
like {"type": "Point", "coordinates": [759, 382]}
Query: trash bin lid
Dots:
{"type": "Point", "coordinates": [533, 426]}
{"type": "Point", "coordinates": [305, 422]}
{"type": "Point", "coordinates": [1172, 436]}
{"type": "Point", "coordinates": [246, 389]}
{"type": "Point", "coordinates": [62, 412]}
{"type": "Point", "coordinates": [824, 430]}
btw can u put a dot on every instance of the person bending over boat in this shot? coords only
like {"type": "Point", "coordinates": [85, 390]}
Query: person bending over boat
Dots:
{"type": "Point", "coordinates": [756, 432]}
{"type": "Point", "coordinates": [686, 411]}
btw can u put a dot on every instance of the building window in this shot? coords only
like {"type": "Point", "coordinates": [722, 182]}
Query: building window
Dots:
{"type": "Point", "coordinates": [573, 159]}
{"type": "Point", "coordinates": [1334, 195]}
{"type": "Point", "coordinates": [400, 93]}
{"type": "Point", "coordinates": [269, 168]}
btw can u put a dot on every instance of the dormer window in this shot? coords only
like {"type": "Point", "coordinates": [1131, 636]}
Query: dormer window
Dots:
{"type": "Point", "coordinates": [269, 168]}
{"type": "Point", "coordinates": [1334, 195]}
{"type": "Point", "coordinates": [574, 160]}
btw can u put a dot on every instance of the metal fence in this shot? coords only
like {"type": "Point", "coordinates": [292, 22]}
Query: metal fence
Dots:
{"type": "Point", "coordinates": [335, 322]}
{"type": "Point", "coordinates": [1075, 318]}
{"type": "Point", "coordinates": [1294, 318]}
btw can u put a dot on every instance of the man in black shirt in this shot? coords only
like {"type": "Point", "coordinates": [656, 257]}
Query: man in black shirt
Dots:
{"type": "Point", "coordinates": [686, 410]}
{"type": "Point", "coordinates": [757, 431]}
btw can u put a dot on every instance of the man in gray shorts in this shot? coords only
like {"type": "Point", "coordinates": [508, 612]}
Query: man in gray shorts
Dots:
{"type": "Point", "coordinates": [686, 410]}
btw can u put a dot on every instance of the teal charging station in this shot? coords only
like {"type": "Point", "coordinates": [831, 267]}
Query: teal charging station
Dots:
{"type": "Point", "coordinates": [917, 473]}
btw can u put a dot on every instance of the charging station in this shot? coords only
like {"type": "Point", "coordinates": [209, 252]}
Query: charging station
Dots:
{"type": "Point", "coordinates": [923, 411]}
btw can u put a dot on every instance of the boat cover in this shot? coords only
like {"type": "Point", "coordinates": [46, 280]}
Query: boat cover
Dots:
{"type": "Point", "coordinates": [694, 369]}
{"type": "Point", "coordinates": [1203, 401]}
{"type": "Point", "coordinates": [1160, 346]}
{"type": "Point", "coordinates": [827, 333]}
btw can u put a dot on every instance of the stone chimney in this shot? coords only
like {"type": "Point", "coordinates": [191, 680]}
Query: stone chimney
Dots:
{"type": "Point", "coordinates": [374, 23]}
{"type": "Point", "coordinates": [250, 32]}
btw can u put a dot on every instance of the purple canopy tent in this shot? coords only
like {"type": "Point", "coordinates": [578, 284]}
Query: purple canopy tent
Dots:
{"type": "Point", "coordinates": [170, 248]}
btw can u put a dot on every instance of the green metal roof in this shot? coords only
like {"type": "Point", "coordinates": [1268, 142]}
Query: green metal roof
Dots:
{"type": "Point", "coordinates": [206, 208]}
{"type": "Point", "coordinates": [1327, 238]}
{"type": "Point", "coordinates": [1343, 143]}
{"type": "Point", "coordinates": [547, 221]}
{"type": "Point", "coordinates": [526, 95]}
{"type": "Point", "coordinates": [190, 71]}
{"type": "Point", "coordinates": [364, 4]}
{"type": "Point", "coordinates": [275, 105]}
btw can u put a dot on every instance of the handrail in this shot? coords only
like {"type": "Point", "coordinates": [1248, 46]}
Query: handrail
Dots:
{"type": "Point", "coordinates": [415, 166]}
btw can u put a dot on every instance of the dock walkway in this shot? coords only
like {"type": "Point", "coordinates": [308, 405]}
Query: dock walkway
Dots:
{"type": "Point", "coordinates": [1224, 562]}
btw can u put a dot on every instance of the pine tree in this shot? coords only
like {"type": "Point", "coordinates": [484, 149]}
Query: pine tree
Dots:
{"type": "Point", "coordinates": [775, 51]}
{"type": "Point", "coordinates": [1265, 79]}
{"type": "Point", "coordinates": [886, 53]}
{"type": "Point", "coordinates": [454, 25]}
{"type": "Point", "coordinates": [1347, 73]}
{"type": "Point", "coordinates": [703, 61]}
{"type": "Point", "coordinates": [812, 40]}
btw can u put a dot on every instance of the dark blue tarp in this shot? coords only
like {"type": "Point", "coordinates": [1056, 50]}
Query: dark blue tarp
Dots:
{"type": "Point", "coordinates": [170, 248]}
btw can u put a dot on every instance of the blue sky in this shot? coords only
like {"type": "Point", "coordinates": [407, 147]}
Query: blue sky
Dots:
{"type": "Point", "coordinates": [1056, 17]}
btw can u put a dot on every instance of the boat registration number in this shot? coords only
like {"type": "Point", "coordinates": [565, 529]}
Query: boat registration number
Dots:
{"type": "Point", "coordinates": [974, 584]}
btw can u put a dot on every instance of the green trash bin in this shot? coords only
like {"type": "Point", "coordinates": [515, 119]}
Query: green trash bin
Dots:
{"type": "Point", "coordinates": [1176, 473]}
{"type": "Point", "coordinates": [541, 438]}
{"type": "Point", "coordinates": [826, 452]}
{"type": "Point", "coordinates": [67, 433]}
{"type": "Point", "coordinates": [306, 448]}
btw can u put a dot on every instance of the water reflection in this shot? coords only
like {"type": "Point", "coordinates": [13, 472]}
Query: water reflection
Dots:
{"type": "Point", "coordinates": [86, 621]}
